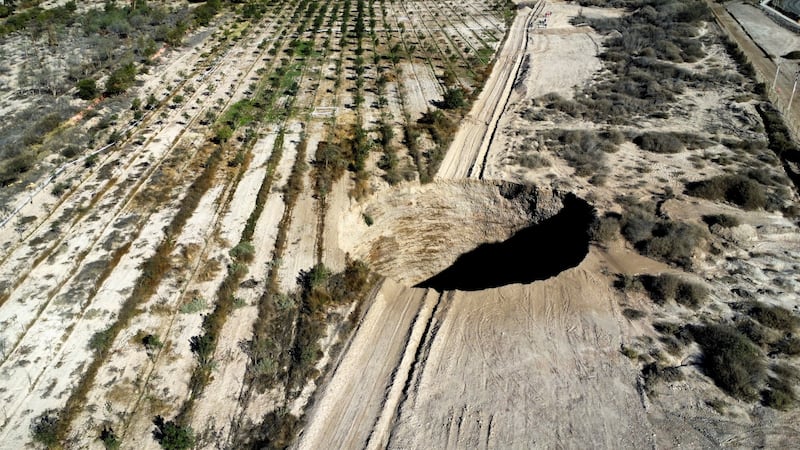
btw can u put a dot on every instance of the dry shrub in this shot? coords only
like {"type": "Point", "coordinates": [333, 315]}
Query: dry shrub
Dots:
{"type": "Point", "coordinates": [665, 287]}
{"type": "Point", "coordinates": [604, 229]}
{"type": "Point", "coordinates": [737, 189]}
{"type": "Point", "coordinates": [655, 373]}
{"type": "Point", "coordinates": [673, 242]}
{"type": "Point", "coordinates": [781, 394]}
{"type": "Point", "coordinates": [532, 160]}
{"type": "Point", "coordinates": [659, 142]}
{"type": "Point", "coordinates": [731, 360]}
{"type": "Point", "coordinates": [209, 269]}
{"type": "Point", "coordinates": [723, 220]}
{"type": "Point", "coordinates": [775, 317]}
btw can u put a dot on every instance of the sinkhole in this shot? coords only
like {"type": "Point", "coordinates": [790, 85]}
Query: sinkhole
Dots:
{"type": "Point", "coordinates": [469, 235]}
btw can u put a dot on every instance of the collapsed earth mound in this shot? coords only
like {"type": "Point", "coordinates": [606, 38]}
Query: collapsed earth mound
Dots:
{"type": "Point", "coordinates": [469, 235]}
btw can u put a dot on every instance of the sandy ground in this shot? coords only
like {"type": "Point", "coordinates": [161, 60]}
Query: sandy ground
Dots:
{"type": "Point", "coordinates": [513, 367]}
{"type": "Point", "coordinates": [540, 364]}
{"type": "Point", "coordinates": [544, 367]}
{"type": "Point", "coordinates": [300, 253]}
{"type": "Point", "coordinates": [472, 141]}
{"type": "Point", "coordinates": [139, 166]}
{"type": "Point", "coordinates": [746, 25]}
{"type": "Point", "coordinates": [486, 369]}
{"type": "Point", "coordinates": [474, 211]}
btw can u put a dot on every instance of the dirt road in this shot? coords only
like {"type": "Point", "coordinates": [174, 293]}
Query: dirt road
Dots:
{"type": "Point", "coordinates": [510, 367]}
{"type": "Point", "coordinates": [471, 143]}
{"type": "Point", "coordinates": [764, 64]}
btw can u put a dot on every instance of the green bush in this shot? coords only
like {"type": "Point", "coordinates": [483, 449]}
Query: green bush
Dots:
{"type": "Point", "coordinates": [244, 251]}
{"type": "Point", "coordinates": [731, 360]}
{"type": "Point", "coordinates": [109, 438]}
{"type": "Point", "coordinates": [223, 132]}
{"type": "Point", "coordinates": [87, 89]}
{"type": "Point", "coordinates": [44, 428]}
{"type": "Point", "coordinates": [151, 342]}
{"type": "Point", "coordinates": [197, 304]}
{"type": "Point", "coordinates": [100, 340]}
{"type": "Point", "coordinates": [453, 98]}
{"type": "Point", "coordinates": [172, 436]}
{"type": "Point", "coordinates": [121, 79]}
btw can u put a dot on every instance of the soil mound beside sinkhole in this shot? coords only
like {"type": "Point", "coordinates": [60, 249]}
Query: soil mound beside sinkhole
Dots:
{"type": "Point", "coordinates": [469, 235]}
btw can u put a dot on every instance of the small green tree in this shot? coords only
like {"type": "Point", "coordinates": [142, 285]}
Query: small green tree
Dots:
{"type": "Point", "coordinates": [453, 98]}
{"type": "Point", "coordinates": [109, 438]}
{"type": "Point", "coordinates": [44, 428]}
{"type": "Point", "coordinates": [121, 79]}
{"type": "Point", "coordinates": [172, 436]}
{"type": "Point", "coordinates": [87, 89]}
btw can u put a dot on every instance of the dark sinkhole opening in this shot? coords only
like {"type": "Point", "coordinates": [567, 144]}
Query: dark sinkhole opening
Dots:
{"type": "Point", "coordinates": [537, 252]}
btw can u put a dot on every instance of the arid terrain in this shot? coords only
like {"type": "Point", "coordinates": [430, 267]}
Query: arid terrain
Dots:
{"type": "Point", "coordinates": [386, 224]}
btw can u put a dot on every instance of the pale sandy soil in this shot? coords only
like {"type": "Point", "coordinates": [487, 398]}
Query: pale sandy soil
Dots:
{"type": "Point", "coordinates": [544, 367]}
{"type": "Point", "coordinates": [486, 369]}
{"type": "Point", "coordinates": [471, 142]}
{"type": "Point", "coordinates": [301, 244]}
{"type": "Point", "coordinates": [217, 411]}
{"type": "Point", "coordinates": [541, 364]}
{"type": "Point", "coordinates": [99, 226]}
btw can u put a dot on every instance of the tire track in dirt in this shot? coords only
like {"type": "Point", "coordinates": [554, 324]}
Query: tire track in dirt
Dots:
{"type": "Point", "coordinates": [468, 151]}
{"type": "Point", "coordinates": [358, 389]}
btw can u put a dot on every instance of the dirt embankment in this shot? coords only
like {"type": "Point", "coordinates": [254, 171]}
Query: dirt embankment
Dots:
{"type": "Point", "coordinates": [416, 231]}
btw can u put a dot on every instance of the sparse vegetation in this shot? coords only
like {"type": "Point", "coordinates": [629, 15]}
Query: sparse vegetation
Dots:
{"type": "Point", "coordinates": [44, 429]}
{"type": "Point", "coordinates": [665, 287]}
{"type": "Point", "coordinates": [671, 241]}
{"type": "Point", "coordinates": [775, 317]}
{"type": "Point", "coordinates": [583, 150]}
{"type": "Point", "coordinates": [731, 360]}
{"type": "Point", "coordinates": [723, 220]}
